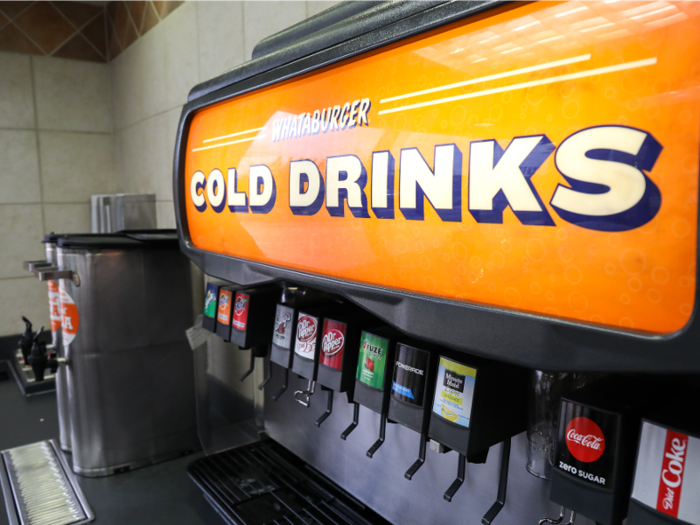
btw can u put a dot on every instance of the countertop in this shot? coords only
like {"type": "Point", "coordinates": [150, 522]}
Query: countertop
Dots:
{"type": "Point", "coordinates": [161, 493]}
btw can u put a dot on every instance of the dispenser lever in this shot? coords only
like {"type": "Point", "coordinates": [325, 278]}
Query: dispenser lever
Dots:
{"type": "Point", "coordinates": [283, 389]}
{"type": "Point", "coordinates": [303, 397]}
{"type": "Point", "coordinates": [380, 441]}
{"type": "Point", "coordinates": [30, 266]}
{"type": "Point", "coordinates": [421, 458]}
{"type": "Point", "coordinates": [554, 521]}
{"type": "Point", "coordinates": [461, 468]}
{"type": "Point", "coordinates": [268, 369]}
{"type": "Point", "coordinates": [53, 273]}
{"type": "Point", "coordinates": [355, 421]}
{"type": "Point", "coordinates": [252, 365]}
{"type": "Point", "coordinates": [329, 407]}
{"type": "Point", "coordinates": [502, 485]}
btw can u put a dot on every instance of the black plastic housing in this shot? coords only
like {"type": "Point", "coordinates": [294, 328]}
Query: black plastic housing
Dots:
{"type": "Point", "coordinates": [377, 399]}
{"type": "Point", "coordinates": [343, 379]}
{"type": "Point", "coordinates": [498, 411]}
{"type": "Point", "coordinates": [260, 317]}
{"type": "Point", "coordinates": [415, 417]}
{"type": "Point", "coordinates": [620, 401]}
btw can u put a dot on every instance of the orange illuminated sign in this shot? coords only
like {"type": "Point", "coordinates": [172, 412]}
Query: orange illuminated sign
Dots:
{"type": "Point", "coordinates": [542, 159]}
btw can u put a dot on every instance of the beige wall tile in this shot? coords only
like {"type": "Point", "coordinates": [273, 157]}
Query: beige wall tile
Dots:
{"type": "Point", "coordinates": [313, 7]}
{"type": "Point", "coordinates": [67, 218]}
{"type": "Point", "coordinates": [165, 213]}
{"type": "Point", "coordinates": [125, 84]}
{"type": "Point", "coordinates": [27, 297]}
{"type": "Point", "coordinates": [262, 19]}
{"type": "Point", "coordinates": [21, 233]}
{"type": "Point", "coordinates": [72, 95]}
{"type": "Point", "coordinates": [147, 152]}
{"type": "Point", "coordinates": [75, 165]}
{"type": "Point", "coordinates": [181, 55]}
{"type": "Point", "coordinates": [221, 41]}
{"type": "Point", "coordinates": [16, 98]}
{"type": "Point", "coordinates": [19, 176]}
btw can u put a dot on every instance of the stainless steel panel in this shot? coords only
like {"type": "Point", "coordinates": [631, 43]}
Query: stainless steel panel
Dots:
{"type": "Point", "coordinates": [123, 211]}
{"type": "Point", "coordinates": [130, 370]}
{"type": "Point", "coordinates": [379, 482]}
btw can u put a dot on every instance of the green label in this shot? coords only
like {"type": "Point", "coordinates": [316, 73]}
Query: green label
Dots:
{"type": "Point", "coordinates": [370, 367]}
{"type": "Point", "coordinates": [210, 301]}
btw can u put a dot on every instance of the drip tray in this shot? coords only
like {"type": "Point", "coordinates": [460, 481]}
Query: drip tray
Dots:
{"type": "Point", "coordinates": [265, 484]}
{"type": "Point", "coordinates": [39, 488]}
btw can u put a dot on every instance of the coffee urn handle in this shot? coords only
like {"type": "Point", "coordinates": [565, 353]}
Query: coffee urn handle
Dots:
{"type": "Point", "coordinates": [53, 273]}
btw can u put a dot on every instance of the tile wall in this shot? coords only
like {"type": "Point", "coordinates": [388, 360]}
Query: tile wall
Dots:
{"type": "Point", "coordinates": [55, 151]}
{"type": "Point", "coordinates": [151, 80]}
{"type": "Point", "coordinates": [73, 128]}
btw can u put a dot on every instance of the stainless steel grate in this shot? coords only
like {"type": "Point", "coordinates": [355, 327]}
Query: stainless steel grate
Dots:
{"type": "Point", "coordinates": [36, 478]}
{"type": "Point", "coordinates": [264, 484]}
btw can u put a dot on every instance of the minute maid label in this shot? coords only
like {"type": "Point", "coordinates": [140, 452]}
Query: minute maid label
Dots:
{"type": "Point", "coordinates": [454, 392]}
{"type": "Point", "coordinates": [372, 362]}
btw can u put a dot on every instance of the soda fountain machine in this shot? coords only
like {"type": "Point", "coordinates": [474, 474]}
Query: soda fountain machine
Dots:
{"type": "Point", "coordinates": [478, 221]}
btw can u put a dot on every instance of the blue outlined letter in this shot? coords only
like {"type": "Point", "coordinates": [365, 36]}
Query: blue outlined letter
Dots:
{"type": "Point", "coordinates": [305, 201]}
{"type": "Point", "coordinates": [346, 178]}
{"type": "Point", "coordinates": [383, 184]}
{"type": "Point", "coordinates": [262, 189]}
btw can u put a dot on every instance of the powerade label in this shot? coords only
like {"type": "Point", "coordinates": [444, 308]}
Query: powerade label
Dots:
{"type": "Point", "coordinates": [307, 328]}
{"type": "Point", "coordinates": [224, 309]}
{"type": "Point", "coordinates": [372, 361]}
{"type": "Point", "coordinates": [282, 333]}
{"type": "Point", "coordinates": [210, 300]}
{"type": "Point", "coordinates": [240, 311]}
{"type": "Point", "coordinates": [454, 391]}
{"type": "Point", "coordinates": [586, 444]}
{"type": "Point", "coordinates": [410, 374]}
{"type": "Point", "coordinates": [333, 344]}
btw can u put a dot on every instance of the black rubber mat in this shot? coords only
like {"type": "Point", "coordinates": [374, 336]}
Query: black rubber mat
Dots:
{"type": "Point", "coordinates": [264, 484]}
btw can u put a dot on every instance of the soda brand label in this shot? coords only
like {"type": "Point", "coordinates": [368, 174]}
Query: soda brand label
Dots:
{"type": "Point", "coordinates": [224, 310]}
{"type": "Point", "coordinates": [586, 444]}
{"type": "Point", "coordinates": [240, 311]}
{"type": "Point", "coordinates": [554, 175]}
{"type": "Point", "coordinates": [307, 328]}
{"type": "Point", "coordinates": [667, 477]}
{"type": "Point", "coordinates": [333, 344]}
{"type": "Point", "coordinates": [70, 318]}
{"type": "Point", "coordinates": [281, 334]}
{"type": "Point", "coordinates": [454, 391]}
{"type": "Point", "coordinates": [371, 364]}
{"type": "Point", "coordinates": [410, 374]}
{"type": "Point", "coordinates": [210, 300]}
{"type": "Point", "coordinates": [54, 306]}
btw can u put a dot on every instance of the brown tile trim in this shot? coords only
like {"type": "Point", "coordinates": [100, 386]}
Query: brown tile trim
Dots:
{"type": "Point", "coordinates": [78, 30]}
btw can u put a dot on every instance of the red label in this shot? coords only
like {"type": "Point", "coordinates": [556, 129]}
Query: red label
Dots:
{"type": "Point", "coordinates": [240, 311]}
{"type": "Point", "coordinates": [223, 314]}
{"type": "Point", "coordinates": [333, 344]}
{"type": "Point", "coordinates": [70, 320]}
{"type": "Point", "coordinates": [672, 470]}
{"type": "Point", "coordinates": [54, 306]}
{"type": "Point", "coordinates": [307, 327]}
{"type": "Point", "coordinates": [585, 439]}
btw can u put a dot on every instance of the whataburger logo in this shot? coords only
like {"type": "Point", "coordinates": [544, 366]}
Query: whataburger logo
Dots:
{"type": "Point", "coordinates": [605, 168]}
{"type": "Point", "coordinates": [334, 118]}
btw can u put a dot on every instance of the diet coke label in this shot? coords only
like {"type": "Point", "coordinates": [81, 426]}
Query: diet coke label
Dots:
{"type": "Point", "coordinates": [585, 440]}
{"type": "Point", "coordinates": [586, 443]}
{"type": "Point", "coordinates": [307, 328]}
{"type": "Point", "coordinates": [667, 476]}
{"type": "Point", "coordinates": [333, 344]}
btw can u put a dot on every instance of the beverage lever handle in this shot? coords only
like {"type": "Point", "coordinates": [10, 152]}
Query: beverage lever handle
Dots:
{"type": "Point", "coordinates": [53, 273]}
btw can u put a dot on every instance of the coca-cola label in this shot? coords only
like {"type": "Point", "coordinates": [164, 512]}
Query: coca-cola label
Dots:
{"type": "Point", "coordinates": [281, 333]}
{"type": "Point", "coordinates": [585, 439]}
{"type": "Point", "coordinates": [667, 477]}
{"type": "Point", "coordinates": [586, 443]}
{"type": "Point", "coordinates": [240, 311]}
{"type": "Point", "coordinates": [333, 344]}
{"type": "Point", "coordinates": [307, 328]}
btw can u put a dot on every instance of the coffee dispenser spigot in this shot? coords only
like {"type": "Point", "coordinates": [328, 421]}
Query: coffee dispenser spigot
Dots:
{"type": "Point", "coordinates": [27, 339]}
{"type": "Point", "coordinates": [39, 359]}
